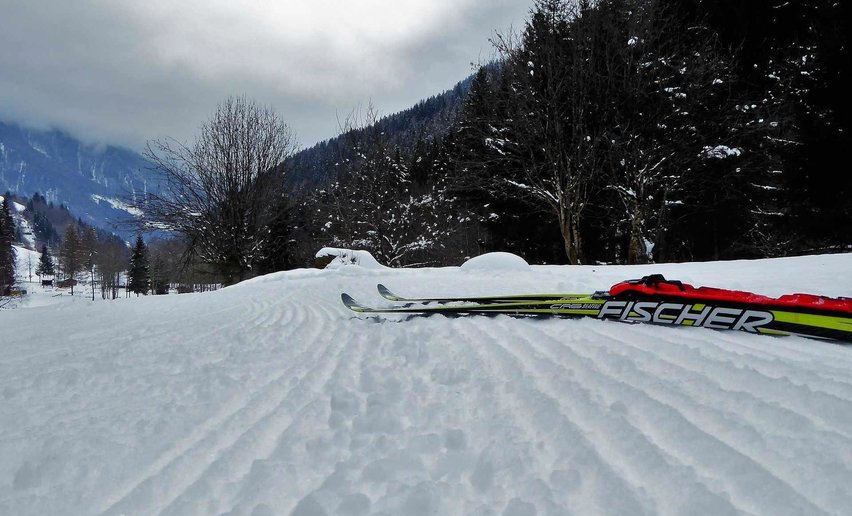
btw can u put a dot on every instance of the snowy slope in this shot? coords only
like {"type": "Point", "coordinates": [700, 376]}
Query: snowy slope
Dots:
{"type": "Point", "coordinates": [70, 172]}
{"type": "Point", "coordinates": [26, 228]}
{"type": "Point", "coordinates": [271, 398]}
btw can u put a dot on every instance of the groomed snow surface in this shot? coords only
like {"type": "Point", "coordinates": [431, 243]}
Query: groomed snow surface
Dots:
{"type": "Point", "coordinates": [270, 397]}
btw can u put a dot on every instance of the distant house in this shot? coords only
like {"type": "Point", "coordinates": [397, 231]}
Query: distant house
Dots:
{"type": "Point", "coordinates": [47, 283]}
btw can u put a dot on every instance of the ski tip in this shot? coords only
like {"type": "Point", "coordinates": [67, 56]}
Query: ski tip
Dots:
{"type": "Point", "coordinates": [387, 294]}
{"type": "Point", "coordinates": [350, 302]}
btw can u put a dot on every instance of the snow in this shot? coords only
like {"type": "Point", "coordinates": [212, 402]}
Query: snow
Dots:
{"type": "Point", "coordinates": [24, 260]}
{"type": "Point", "coordinates": [347, 257]}
{"type": "Point", "coordinates": [270, 397]}
{"type": "Point", "coordinates": [17, 210]}
{"type": "Point", "coordinates": [502, 262]}
{"type": "Point", "coordinates": [721, 152]}
{"type": "Point", "coordinates": [118, 205]}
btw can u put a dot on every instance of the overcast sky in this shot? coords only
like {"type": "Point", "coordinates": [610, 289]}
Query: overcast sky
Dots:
{"type": "Point", "coordinates": [127, 71]}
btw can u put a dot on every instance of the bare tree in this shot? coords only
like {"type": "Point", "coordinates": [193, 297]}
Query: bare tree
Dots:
{"type": "Point", "coordinates": [112, 258]}
{"type": "Point", "coordinates": [219, 193]}
{"type": "Point", "coordinates": [89, 252]}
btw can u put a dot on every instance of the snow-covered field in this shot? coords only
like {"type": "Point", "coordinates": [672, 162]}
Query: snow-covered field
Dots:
{"type": "Point", "coordinates": [270, 397]}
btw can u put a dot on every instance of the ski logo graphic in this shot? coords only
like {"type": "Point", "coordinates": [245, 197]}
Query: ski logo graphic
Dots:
{"type": "Point", "coordinates": [713, 317]}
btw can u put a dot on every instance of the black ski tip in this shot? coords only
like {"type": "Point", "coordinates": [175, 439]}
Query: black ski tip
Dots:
{"type": "Point", "coordinates": [350, 302]}
{"type": "Point", "coordinates": [387, 294]}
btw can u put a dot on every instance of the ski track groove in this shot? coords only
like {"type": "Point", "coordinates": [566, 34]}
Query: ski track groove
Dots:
{"type": "Point", "coordinates": [510, 420]}
{"type": "Point", "coordinates": [634, 498]}
{"type": "Point", "coordinates": [80, 350]}
{"type": "Point", "coordinates": [537, 445]}
{"type": "Point", "coordinates": [77, 357]}
{"type": "Point", "coordinates": [760, 440]}
{"type": "Point", "coordinates": [89, 350]}
{"type": "Point", "coordinates": [317, 479]}
{"type": "Point", "coordinates": [792, 348]}
{"type": "Point", "coordinates": [236, 469]}
{"type": "Point", "coordinates": [828, 411]}
{"type": "Point", "coordinates": [500, 418]}
{"type": "Point", "coordinates": [802, 350]}
{"type": "Point", "coordinates": [653, 432]}
{"type": "Point", "coordinates": [511, 424]}
{"type": "Point", "coordinates": [261, 436]}
{"type": "Point", "coordinates": [219, 466]}
{"type": "Point", "coordinates": [179, 453]}
{"type": "Point", "coordinates": [201, 337]}
{"type": "Point", "coordinates": [611, 358]}
{"type": "Point", "coordinates": [767, 354]}
{"type": "Point", "coordinates": [658, 363]}
{"type": "Point", "coordinates": [816, 422]}
{"type": "Point", "coordinates": [623, 448]}
{"type": "Point", "coordinates": [699, 372]}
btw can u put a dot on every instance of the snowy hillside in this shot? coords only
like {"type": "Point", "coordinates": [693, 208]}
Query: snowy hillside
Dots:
{"type": "Point", "coordinates": [90, 180]}
{"type": "Point", "coordinates": [17, 211]}
{"type": "Point", "coordinates": [270, 397]}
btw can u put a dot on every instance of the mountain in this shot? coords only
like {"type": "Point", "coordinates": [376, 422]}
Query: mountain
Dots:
{"type": "Point", "coordinates": [92, 181]}
{"type": "Point", "coordinates": [428, 119]}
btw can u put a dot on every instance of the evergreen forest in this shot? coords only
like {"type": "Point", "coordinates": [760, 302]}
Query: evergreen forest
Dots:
{"type": "Point", "coordinates": [616, 131]}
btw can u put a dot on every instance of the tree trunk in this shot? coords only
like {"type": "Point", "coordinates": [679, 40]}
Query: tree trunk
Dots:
{"type": "Point", "coordinates": [637, 252]}
{"type": "Point", "coordinates": [570, 230]}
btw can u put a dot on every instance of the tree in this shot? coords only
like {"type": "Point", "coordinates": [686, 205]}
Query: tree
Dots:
{"type": "Point", "coordinates": [549, 123]}
{"type": "Point", "coordinates": [277, 254]}
{"type": "Point", "coordinates": [159, 276]}
{"type": "Point", "coordinates": [139, 275]}
{"type": "Point", "coordinates": [89, 250]}
{"type": "Point", "coordinates": [71, 255]}
{"type": "Point", "coordinates": [219, 193]}
{"type": "Point", "coordinates": [376, 204]}
{"type": "Point", "coordinates": [791, 76]}
{"type": "Point", "coordinates": [7, 251]}
{"type": "Point", "coordinates": [112, 258]}
{"type": "Point", "coordinates": [671, 115]}
{"type": "Point", "coordinates": [45, 263]}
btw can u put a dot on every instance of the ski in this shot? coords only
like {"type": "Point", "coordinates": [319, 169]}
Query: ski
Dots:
{"type": "Point", "coordinates": [390, 296]}
{"type": "Point", "coordinates": [587, 306]}
{"type": "Point", "coordinates": [654, 300]}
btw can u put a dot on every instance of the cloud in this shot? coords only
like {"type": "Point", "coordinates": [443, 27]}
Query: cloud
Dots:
{"type": "Point", "coordinates": [126, 71]}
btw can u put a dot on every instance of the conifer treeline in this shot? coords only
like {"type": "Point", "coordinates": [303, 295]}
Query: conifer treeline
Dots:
{"type": "Point", "coordinates": [615, 131]}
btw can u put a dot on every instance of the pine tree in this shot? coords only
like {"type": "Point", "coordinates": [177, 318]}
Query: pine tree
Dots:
{"type": "Point", "coordinates": [140, 276]}
{"type": "Point", "coordinates": [159, 277]}
{"type": "Point", "coordinates": [7, 251]}
{"type": "Point", "coordinates": [71, 255]}
{"type": "Point", "coordinates": [45, 263]}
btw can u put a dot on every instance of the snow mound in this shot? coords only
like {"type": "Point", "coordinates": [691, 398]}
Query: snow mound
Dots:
{"type": "Point", "coordinates": [496, 262]}
{"type": "Point", "coordinates": [343, 257]}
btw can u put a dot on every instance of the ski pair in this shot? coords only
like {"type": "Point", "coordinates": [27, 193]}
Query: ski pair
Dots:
{"type": "Point", "coordinates": [652, 299]}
